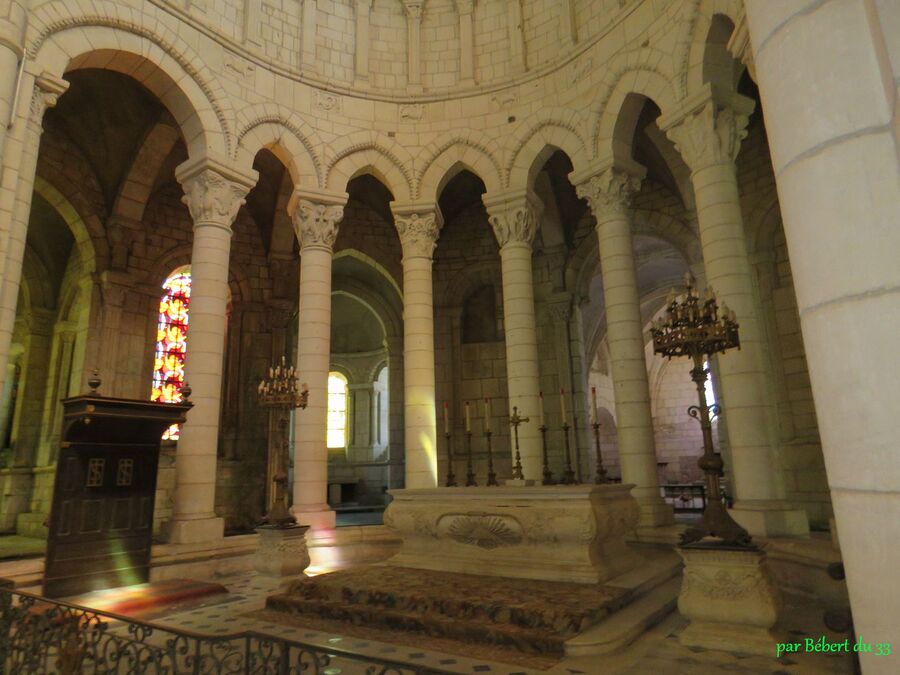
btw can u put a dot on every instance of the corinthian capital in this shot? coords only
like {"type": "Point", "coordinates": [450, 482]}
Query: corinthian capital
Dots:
{"type": "Point", "coordinates": [609, 191]}
{"type": "Point", "coordinates": [413, 8]}
{"type": "Point", "coordinates": [213, 191]}
{"type": "Point", "coordinates": [514, 215]}
{"type": "Point", "coordinates": [419, 226]}
{"type": "Point", "coordinates": [47, 90]}
{"type": "Point", "coordinates": [316, 218]}
{"type": "Point", "coordinates": [709, 128]}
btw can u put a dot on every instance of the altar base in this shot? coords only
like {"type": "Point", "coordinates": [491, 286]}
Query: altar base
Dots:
{"type": "Point", "coordinates": [552, 533]}
{"type": "Point", "coordinates": [281, 551]}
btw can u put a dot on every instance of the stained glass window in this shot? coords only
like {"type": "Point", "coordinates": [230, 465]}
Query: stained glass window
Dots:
{"type": "Point", "coordinates": [337, 410]}
{"type": "Point", "coordinates": [171, 342]}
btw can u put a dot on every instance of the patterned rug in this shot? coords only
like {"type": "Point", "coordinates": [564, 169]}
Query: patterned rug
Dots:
{"type": "Point", "coordinates": [527, 616]}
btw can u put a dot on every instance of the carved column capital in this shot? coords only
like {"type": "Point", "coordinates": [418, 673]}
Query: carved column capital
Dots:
{"type": "Point", "coordinates": [419, 226]}
{"type": "Point", "coordinates": [316, 217]}
{"type": "Point", "coordinates": [708, 128]}
{"type": "Point", "coordinates": [464, 7]}
{"type": "Point", "coordinates": [514, 216]}
{"type": "Point", "coordinates": [47, 90]}
{"type": "Point", "coordinates": [213, 191]}
{"type": "Point", "coordinates": [609, 191]}
{"type": "Point", "coordinates": [413, 9]}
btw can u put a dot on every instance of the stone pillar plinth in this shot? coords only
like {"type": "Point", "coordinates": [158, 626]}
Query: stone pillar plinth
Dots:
{"type": "Point", "coordinates": [730, 599]}
{"type": "Point", "coordinates": [281, 551]}
{"type": "Point", "coordinates": [214, 193]}
{"type": "Point", "coordinates": [608, 189]}
{"type": "Point", "coordinates": [515, 217]}
{"type": "Point", "coordinates": [316, 216]}
{"type": "Point", "coordinates": [555, 533]}
{"type": "Point", "coordinates": [418, 225]}
{"type": "Point", "coordinates": [707, 130]}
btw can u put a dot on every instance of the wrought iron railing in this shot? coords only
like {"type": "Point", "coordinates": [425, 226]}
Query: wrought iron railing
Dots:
{"type": "Point", "coordinates": [39, 636]}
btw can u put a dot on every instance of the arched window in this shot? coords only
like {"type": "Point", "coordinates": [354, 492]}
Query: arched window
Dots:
{"type": "Point", "coordinates": [171, 341]}
{"type": "Point", "coordinates": [708, 387]}
{"type": "Point", "coordinates": [337, 411]}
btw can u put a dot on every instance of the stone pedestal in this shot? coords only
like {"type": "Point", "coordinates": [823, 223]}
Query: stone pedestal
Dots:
{"type": "Point", "coordinates": [554, 533]}
{"type": "Point", "coordinates": [729, 598]}
{"type": "Point", "coordinates": [281, 552]}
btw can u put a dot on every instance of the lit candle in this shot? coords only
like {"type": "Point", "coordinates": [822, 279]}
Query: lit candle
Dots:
{"type": "Point", "coordinates": [487, 414]}
{"type": "Point", "coordinates": [446, 419]}
{"type": "Point", "coordinates": [562, 404]}
{"type": "Point", "coordinates": [594, 401]}
{"type": "Point", "coordinates": [468, 421]}
{"type": "Point", "coordinates": [541, 407]}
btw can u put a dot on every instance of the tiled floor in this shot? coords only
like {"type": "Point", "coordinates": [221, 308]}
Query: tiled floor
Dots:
{"type": "Point", "coordinates": [657, 652]}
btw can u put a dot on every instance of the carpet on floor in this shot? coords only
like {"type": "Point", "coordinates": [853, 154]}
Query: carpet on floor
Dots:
{"type": "Point", "coordinates": [140, 599]}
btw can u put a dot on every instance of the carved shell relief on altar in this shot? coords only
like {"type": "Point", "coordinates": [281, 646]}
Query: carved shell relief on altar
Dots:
{"type": "Point", "coordinates": [480, 529]}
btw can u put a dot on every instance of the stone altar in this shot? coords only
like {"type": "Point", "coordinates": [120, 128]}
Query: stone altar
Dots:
{"type": "Point", "coordinates": [553, 533]}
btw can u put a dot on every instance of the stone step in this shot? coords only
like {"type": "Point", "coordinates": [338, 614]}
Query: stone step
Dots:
{"type": "Point", "coordinates": [623, 627]}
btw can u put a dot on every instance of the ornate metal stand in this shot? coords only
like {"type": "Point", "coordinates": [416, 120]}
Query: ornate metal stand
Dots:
{"type": "Point", "coordinates": [514, 422]}
{"type": "Point", "coordinates": [451, 477]}
{"type": "Point", "coordinates": [280, 394]}
{"type": "Point", "coordinates": [695, 327]}
{"type": "Point", "coordinates": [548, 475]}
{"type": "Point", "coordinates": [600, 476]}
{"type": "Point", "coordinates": [492, 477]}
{"type": "Point", "coordinates": [568, 475]}
{"type": "Point", "coordinates": [470, 472]}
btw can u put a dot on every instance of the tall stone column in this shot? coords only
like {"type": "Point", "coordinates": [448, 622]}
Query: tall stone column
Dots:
{"type": "Point", "coordinates": [316, 217]}
{"type": "Point", "coordinates": [13, 23]}
{"type": "Point", "coordinates": [418, 225]}
{"type": "Point", "coordinates": [413, 9]}
{"type": "Point", "coordinates": [838, 174]}
{"type": "Point", "coordinates": [20, 155]}
{"type": "Point", "coordinates": [214, 193]}
{"type": "Point", "coordinates": [361, 57]}
{"type": "Point", "coordinates": [515, 217]}
{"type": "Point", "coordinates": [707, 130]}
{"type": "Point", "coordinates": [608, 190]}
{"type": "Point", "coordinates": [466, 11]}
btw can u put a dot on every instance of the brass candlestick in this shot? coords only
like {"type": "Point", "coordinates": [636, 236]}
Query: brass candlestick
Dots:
{"type": "Point", "coordinates": [514, 422]}
{"type": "Point", "coordinates": [470, 473]}
{"type": "Point", "coordinates": [280, 394]}
{"type": "Point", "coordinates": [695, 326]}
{"type": "Point", "coordinates": [492, 477]}
{"type": "Point", "coordinates": [451, 477]}
{"type": "Point", "coordinates": [600, 477]}
{"type": "Point", "coordinates": [568, 475]}
{"type": "Point", "coordinates": [548, 475]}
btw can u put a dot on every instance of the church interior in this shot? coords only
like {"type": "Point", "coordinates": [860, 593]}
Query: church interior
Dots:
{"type": "Point", "coordinates": [449, 336]}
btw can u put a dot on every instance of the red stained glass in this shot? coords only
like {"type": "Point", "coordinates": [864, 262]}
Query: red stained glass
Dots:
{"type": "Point", "coordinates": [171, 343]}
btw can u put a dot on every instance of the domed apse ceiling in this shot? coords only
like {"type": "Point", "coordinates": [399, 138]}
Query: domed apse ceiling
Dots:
{"type": "Point", "coordinates": [354, 327]}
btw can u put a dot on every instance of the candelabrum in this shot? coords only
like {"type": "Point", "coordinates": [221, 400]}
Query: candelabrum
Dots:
{"type": "Point", "coordinates": [548, 475]}
{"type": "Point", "coordinates": [492, 477]}
{"type": "Point", "coordinates": [470, 472]}
{"type": "Point", "coordinates": [600, 477]}
{"type": "Point", "coordinates": [568, 475]}
{"type": "Point", "coordinates": [514, 422]}
{"type": "Point", "coordinates": [451, 477]}
{"type": "Point", "coordinates": [280, 394]}
{"type": "Point", "coordinates": [695, 326]}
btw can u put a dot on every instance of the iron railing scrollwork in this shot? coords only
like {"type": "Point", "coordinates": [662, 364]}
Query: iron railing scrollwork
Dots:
{"type": "Point", "coordinates": [40, 636]}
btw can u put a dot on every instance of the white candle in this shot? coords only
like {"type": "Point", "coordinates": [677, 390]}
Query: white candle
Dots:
{"type": "Point", "coordinates": [468, 421]}
{"type": "Point", "coordinates": [541, 407]}
{"type": "Point", "coordinates": [594, 401]}
{"type": "Point", "coordinates": [487, 412]}
{"type": "Point", "coordinates": [562, 404]}
{"type": "Point", "coordinates": [446, 419]}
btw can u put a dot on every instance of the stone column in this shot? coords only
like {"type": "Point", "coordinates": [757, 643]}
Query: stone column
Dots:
{"type": "Point", "coordinates": [20, 155]}
{"type": "Point", "coordinates": [608, 189]}
{"type": "Point", "coordinates": [12, 40]}
{"type": "Point", "coordinates": [707, 130]}
{"type": "Point", "coordinates": [516, 23]}
{"type": "Point", "coordinates": [568, 28]}
{"type": "Point", "coordinates": [361, 61]}
{"type": "Point", "coordinates": [838, 175]}
{"type": "Point", "coordinates": [466, 9]}
{"type": "Point", "coordinates": [418, 225]}
{"type": "Point", "coordinates": [316, 217]}
{"type": "Point", "coordinates": [252, 12]}
{"type": "Point", "coordinates": [515, 216]}
{"type": "Point", "coordinates": [413, 10]}
{"type": "Point", "coordinates": [214, 193]}
{"type": "Point", "coordinates": [308, 35]}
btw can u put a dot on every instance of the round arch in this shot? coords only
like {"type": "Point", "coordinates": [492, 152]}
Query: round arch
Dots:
{"type": "Point", "coordinates": [447, 157]}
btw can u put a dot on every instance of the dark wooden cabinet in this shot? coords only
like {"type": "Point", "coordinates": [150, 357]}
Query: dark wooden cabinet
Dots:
{"type": "Point", "coordinates": [101, 522]}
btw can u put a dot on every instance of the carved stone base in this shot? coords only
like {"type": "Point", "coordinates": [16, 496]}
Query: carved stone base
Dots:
{"type": "Point", "coordinates": [730, 600]}
{"type": "Point", "coordinates": [554, 533]}
{"type": "Point", "coordinates": [281, 552]}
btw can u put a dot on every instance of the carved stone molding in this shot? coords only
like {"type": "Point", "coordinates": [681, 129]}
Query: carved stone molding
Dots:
{"type": "Point", "coordinates": [413, 8]}
{"type": "Point", "coordinates": [514, 216]}
{"type": "Point", "coordinates": [609, 192]}
{"type": "Point", "coordinates": [419, 231]}
{"type": "Point", "coordinates": [412, 111]}
{"type": "Point", "coordinates": [484, 530]}
{"type": "Point", "coordinates": [316, 223]}
{"type": "Point", "coordinates": [47, 90]}
{"type": "Point", "coordinates": [212, 198]}
{"type": "Point", "coordinates": [326, 101]}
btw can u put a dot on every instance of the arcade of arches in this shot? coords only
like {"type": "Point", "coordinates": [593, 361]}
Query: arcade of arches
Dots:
{"type": "Point", "coordinates": [457, 201]}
